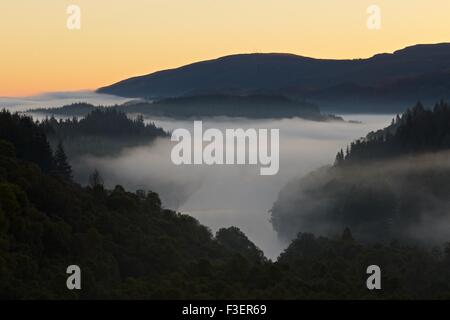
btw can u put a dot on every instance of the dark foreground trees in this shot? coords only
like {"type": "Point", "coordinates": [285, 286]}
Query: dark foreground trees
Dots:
{"type": "Point", "coordinates": [61, 162]}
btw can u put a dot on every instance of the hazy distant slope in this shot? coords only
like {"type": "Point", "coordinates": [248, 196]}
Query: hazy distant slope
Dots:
{"type": "Point", "coordinates": [208, 105]}
{"type": "Point", "coordinates": [393, 184]}
{"type": "Point", "coordinates": [102, 131]}
{"type": "Point", "coordinates": [417, 72]}
{"type": "Point", "coordinates": [250, 106]}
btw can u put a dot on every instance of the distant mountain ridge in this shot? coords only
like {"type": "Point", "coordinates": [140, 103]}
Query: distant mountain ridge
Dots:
{"type": "Point", "coordinates": [396, 80]}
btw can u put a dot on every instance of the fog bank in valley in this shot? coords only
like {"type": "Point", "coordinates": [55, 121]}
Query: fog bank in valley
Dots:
{"type": "Point", "coordinates": [230, 195]}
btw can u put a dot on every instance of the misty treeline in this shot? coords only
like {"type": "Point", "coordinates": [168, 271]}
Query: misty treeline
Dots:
{"type": "Point", "coordinates": [418, 130]}
{"type": "Point", "coordinates": [77, 109]}
{"type": "Point", "coordinates": [103, 131]}
{"type": "Point", "coordinates": [108, 133]}
{"type": "Point", "coordinates": [393, 184]}
{"type": "Point", "coordinates": [128, 246]}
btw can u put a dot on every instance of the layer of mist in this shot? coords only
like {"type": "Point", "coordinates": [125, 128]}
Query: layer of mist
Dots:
{"type": "Point", "coordinates": [57, 99]}
{"type": "Point", "coordinates": [230, 195]}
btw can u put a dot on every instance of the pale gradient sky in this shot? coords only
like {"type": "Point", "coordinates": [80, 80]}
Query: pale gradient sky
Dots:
{"type": "Point", "coordinates": [119, 38]}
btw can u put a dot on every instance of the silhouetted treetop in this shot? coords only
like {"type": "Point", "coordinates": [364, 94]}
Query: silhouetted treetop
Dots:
{"type": "Point", "coordinates": [107, 122]}
{"type": "Point", "coordinates": [418, 130]}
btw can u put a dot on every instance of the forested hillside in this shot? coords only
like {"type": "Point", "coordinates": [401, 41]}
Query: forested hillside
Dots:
{"type": "Point", "coordinates": [418, 130]}
{"type": "Point", "coordinates": [393, 184]}
{"type": "Point", "coordinates": [128, 246]}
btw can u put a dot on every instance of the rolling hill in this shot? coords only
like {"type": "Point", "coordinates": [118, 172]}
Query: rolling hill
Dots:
{"type": "Point", "coordinates": [382, 83]}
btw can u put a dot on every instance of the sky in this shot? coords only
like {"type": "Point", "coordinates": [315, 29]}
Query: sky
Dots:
{"type": "Point", "coordinates": [119, 39]}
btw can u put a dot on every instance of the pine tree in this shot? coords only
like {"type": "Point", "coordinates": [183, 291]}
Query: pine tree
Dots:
{"type": "Point", "coordinates": [95, 179]}
{"type": "Point", "coordinates": [347, 235]}
{"type": "Point", "coordinates": [62, 165]}
{"type": "Point", "coordinates": [339, 158]}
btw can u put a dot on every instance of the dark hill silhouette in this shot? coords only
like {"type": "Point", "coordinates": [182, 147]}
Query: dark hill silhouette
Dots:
{"type": "Point", "coordinates": [210, 105]}
{"type": "Point", "coordinates": [397, 79]}
{"type": "Point", "coordinates": [257, 106]}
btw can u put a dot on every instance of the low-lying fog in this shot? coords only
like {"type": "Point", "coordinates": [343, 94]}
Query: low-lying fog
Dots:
{"type": "Point", "coordinates": [58, 99]}
{"type": "Point", "coordinates": [231, 195]}
{"type": "Point", "coordinates": [218, 195]}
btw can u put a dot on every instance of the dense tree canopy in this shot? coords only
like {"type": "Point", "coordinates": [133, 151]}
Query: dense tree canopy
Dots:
{"type": "Point", "coordinates": [29, 141]}
{"type": "Point", "coordinates": [102, 122]}
{"type": "Point", "coordinates": [418, 130]}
